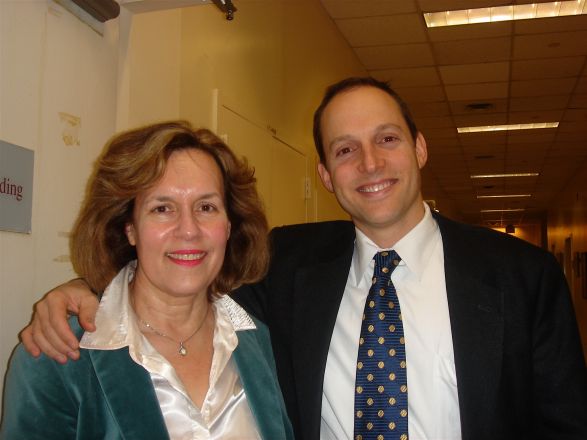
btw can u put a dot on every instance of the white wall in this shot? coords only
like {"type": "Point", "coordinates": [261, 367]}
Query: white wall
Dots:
{"type": "Point", "coordinates": [50, 63]}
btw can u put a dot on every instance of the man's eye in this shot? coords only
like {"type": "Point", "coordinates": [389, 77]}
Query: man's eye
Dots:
{"type": "Point", "coordinates": [344, 150]}
{"type": "Point", "coordinates": [389, 138]}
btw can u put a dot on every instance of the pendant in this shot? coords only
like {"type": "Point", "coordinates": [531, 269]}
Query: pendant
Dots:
{"type": "Point", "coordinates": [182, 350]}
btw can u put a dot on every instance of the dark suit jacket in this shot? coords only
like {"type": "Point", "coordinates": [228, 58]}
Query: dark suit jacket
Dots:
{"type": "Point", "coordinates": [519, 364]}
{"type": "Point", "coordinates": [106, 395]}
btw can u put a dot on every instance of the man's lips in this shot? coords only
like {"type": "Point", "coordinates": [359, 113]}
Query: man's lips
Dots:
{"type": "Point", "coordinates": [376, 187]}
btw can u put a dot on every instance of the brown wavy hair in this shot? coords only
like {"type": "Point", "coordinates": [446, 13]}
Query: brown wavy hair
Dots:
{"type": "Point", "coordinates": [133, 162]}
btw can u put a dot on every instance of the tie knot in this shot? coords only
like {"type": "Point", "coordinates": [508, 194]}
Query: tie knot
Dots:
{"type": "Point", "coordinates": [386, 262]}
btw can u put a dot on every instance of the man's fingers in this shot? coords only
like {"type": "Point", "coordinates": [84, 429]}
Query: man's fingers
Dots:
{"type": "Point", "coordinates": [26, 336]}
{"type": "Point", "coordinates": [44, 345]}
{"type": "Point", "coordinates": [87, 312]}
{"type": "Point", "coordinates": [49, 324]}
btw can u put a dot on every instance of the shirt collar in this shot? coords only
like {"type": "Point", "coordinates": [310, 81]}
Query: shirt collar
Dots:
{"type": "Point", "coordinates": [414, 248]}
{"type": "Point", "coordinates": [117, 324]}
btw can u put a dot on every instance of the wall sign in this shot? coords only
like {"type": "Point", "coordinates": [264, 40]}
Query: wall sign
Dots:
{"type": "Point", "coordinates": [16, 187]}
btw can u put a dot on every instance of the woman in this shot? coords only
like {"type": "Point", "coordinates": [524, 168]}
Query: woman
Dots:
{"type": "Point", "coordinates": [171, 220]}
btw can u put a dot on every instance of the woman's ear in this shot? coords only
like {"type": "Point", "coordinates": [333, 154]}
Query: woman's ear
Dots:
{"type": "Point", "coordinates": [129, 230]}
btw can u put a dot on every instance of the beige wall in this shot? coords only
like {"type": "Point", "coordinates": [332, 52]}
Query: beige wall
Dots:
{"type": "Point", "coordinates": [269, 63]}
{"type": "Point", "coordinates": [568, 220]}
{"type": "Point", "coordinates": [51, 63]}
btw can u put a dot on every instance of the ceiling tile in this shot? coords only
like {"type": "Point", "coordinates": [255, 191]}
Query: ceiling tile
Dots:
{"type": "Point", "coordinates": [468, 107]}
{"type": "Point", "coordinates": [539, 103]}
{"type": "Point", "coordinates": [477, 91]}
{"type": "Point", "coordinates": [537, 87]}
{"type": "Point", "coordinates": [550, 45]}
{"type": "Point", "coordinates": [481, 119]}
{"type": "Point", "coordinates": [421, 94]}
{"type": "Point", "coordinates": [443, 133]}
{"type": "Point", "coordinates": [420, 76]}
{"type": "Point", "coordinates": [581, 87]}
{"type": "Point", "coordinates": [451, 5]}
{"type": "Point", "coordinates": [578, 101]}
{"type": "Point", "coordinates": [573, 127]}
{"type": "Point", "coordinates": [576, 115]}
{"type": "Point", "coordinates": [473, 139]}
{"type": "Point", "coordinates": [442, 145]}
{"type": "Point", "coordinates": [527, 136]}
{"type": "Point", "coordinates": [473, 31]}
{"type": "Point", "coordinates": [387, 57]}
{"type": "Point", "coordinates": [423, 109]}
{"type": "Point", "coordinates": [550, 24]}
{"type": "Point", "coordinates": [389, 29]}
{"type": "Point", "coordinates": [547, 68]}
{"type": "Point", "coordinates": [472, 51]}
{"type": "Point", "coordinates": [367, 8]}
{"type": "Point", "coordinates": [535, 116]}
{"type": "Point", "coordinates": [435, 122]}
{"type": "Point", "coordinates": [475, 73]}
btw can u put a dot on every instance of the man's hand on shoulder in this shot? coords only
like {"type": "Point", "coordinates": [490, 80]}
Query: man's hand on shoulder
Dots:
{"type": "Point", "coordinates": [49, 331]}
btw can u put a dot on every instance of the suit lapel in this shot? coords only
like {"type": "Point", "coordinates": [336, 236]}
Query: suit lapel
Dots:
{"type": "Point", "coordinates": [476, 316]}
{"type": "Point", "coordinates": [129, 391]}
{"type": "Point", "coordinates": [318, 292]}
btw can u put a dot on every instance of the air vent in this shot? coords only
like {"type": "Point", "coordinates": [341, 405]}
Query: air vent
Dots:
{"type": "Point", "coordinates": [479, 106]}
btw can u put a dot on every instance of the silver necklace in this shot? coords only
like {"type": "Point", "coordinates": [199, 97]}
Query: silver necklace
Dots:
{"type": "Point", "coordinates": [183, 351]}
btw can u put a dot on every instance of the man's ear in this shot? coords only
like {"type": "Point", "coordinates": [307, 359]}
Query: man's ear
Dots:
{"type": "Point", "coordinates": [421, 150]}
{"type": "Point", "coordinates": [325, 177]}
{"type": "Point", "coordinates": [129, 230]}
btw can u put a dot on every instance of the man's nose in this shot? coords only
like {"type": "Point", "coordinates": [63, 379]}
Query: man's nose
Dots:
{"type": "Point", "coordinates": [370, 160]}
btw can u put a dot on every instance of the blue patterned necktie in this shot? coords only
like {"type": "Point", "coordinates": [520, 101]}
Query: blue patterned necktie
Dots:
{"type": "Point", "coordinates": [381, 386]}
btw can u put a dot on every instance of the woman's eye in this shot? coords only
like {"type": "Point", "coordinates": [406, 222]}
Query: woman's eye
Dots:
{"type": "Point", "coordinates": [207, 207]}
{"type": "Point", "coordinates": [160, 209]}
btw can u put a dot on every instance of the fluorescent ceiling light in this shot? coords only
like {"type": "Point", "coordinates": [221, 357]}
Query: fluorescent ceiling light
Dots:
{"type": "Point", "coordinates": [505, 13]}
{"type": "Point", "coordinates": [504, 196]}
{"type": "Point", "coordinates": [507, 127]}
{"type": "Point", "coordinates": [489, 176]}
{"type": "Point", "coordinates": [503, 210]}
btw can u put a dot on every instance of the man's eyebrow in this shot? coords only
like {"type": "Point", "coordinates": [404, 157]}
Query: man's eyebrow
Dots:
{"type": "Point", "coordinates": [343, 137]}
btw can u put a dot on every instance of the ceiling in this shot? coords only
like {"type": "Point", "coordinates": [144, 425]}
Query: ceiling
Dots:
{"type": "Point", "coordinates": [481, 74]}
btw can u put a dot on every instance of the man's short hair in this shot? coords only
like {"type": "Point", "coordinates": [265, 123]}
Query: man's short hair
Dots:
{"type": "Point", "coordinates": [352, 83]}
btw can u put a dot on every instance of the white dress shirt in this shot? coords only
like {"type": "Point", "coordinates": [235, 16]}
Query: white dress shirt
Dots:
{"type": "Point", "coordinates": [225, 413]}
{"type": "Point", "coordinates": [433, 410]}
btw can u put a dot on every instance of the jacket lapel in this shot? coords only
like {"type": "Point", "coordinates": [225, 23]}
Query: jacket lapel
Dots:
{"type": "Point", "coordinates": [130, 394]}
{"type": "Point", "coordinates": [261, 387]}
{"type": "Point", "coordinates": [476, 316]}
{"type": "Point", "coordinates": [318, 292]}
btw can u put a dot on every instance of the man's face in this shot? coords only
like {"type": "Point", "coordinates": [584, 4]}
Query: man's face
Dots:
{"type": "Point", "coordinates": [372, 163]}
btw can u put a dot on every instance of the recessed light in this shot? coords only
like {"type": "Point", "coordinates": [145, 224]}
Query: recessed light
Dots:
{"type": "Point", "coordinates": [507, 127]}
{"type": "Point", "coordinates": [503, 210]}
{"type": "Point", "coordinates": [505, 13]}
{"type": "Point", "coordinates": [490, 176]}
{"type": "Point", "coordinates": [502, 196]}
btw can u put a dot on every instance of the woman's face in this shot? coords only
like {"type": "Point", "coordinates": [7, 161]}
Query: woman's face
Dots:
{"type": "Point", "coordinates": [180, 228]}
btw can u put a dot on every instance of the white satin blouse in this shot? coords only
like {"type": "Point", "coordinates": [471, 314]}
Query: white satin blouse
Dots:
{"type": "Point", "coordinates": [225, 412]}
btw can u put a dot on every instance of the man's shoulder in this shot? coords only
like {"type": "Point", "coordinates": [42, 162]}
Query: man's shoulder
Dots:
{"type": "Point", "coordinates": [321, 231]}
{"type": "Point", "coordinates": [317, 240]}
{"type": "Point", "coordinates": [475, 238]}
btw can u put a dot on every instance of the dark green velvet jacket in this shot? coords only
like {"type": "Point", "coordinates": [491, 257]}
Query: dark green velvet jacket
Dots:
{"type": "Point", "coordinates": [106, 395]}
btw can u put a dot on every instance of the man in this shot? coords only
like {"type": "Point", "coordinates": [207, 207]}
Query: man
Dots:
{"type": "Point", "coordinates": [491, 343]}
